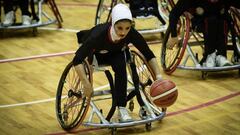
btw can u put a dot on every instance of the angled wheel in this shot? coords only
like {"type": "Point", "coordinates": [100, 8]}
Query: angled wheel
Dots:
{"type": "Point", "coordinates": [148, 126]}
{"type": "Point", "coordinates": [171, 58]}
{"type": "Point", "coordinates": [146, 75]}
{"type": "Point", "coordinates": [71, 105]}
{"type": "Point", "coordinates": [104, 10]}
{"type": "Point", "coordinates": [235, 14]}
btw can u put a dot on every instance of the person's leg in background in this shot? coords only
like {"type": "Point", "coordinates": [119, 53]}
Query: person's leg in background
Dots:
{"type": "Point", "coordinates": [210, 32]}
{"type": "Point", "coordinates": [9, 17]}
{"type": "Point", "coordinates": [26, 15]}
{"type": "Point", "coordinates": [221, 42]}
{"type": "Point", "coordinates": [137, 7]}
{"type": "Point", "coordinates": [215, 39]}
{"type": "Point", "coordinates": [152, 8]}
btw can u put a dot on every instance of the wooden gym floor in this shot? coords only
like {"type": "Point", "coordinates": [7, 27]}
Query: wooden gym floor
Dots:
{"type": "Point", "coordinates": [30, 68]}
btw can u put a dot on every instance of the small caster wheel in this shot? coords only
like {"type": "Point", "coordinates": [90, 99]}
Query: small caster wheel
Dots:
{"type": "Point", "coordinates": [131, 105]}
{"type": "Point", "coordinates": [101, 111]}
{"type": "Point", "coordinates": [204, 75]}
{"type": "Point", "coordinates": [148, 126]}
{"type": "Point", "coordinates": [162, 35]}
{"type": "Point", "coordinates": [114, 131]}
{"type": "Point", "coordinates": [34, 31]}
{"type": "Point", "coordinates": [197, 57]}
{"type": "Point", "coordinates": [164, 109]}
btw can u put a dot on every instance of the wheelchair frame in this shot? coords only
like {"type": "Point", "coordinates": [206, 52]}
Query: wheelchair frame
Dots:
{"type": "Point", "coordinates": [73, 89]}
{"type": "Point", "coordinates": [104, 10]}
{"type": "Point", "coordinates": [39, 16]}
{"type": "Point", "coordinates": [171, 59]}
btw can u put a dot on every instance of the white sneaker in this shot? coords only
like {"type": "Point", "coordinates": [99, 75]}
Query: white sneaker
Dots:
{"type": "Point", "coordinates": [26, 20]}
{"type": "Point", "coordinates": [211, 60]}
{"type": "Point", "coordinates": [143, 113]}
{"type": "Point", "coordinates": [123, 115]}
{"type": "Point", "coordinates": [9, 18]}
{"type": "Point", "coordinates": [222, 61]}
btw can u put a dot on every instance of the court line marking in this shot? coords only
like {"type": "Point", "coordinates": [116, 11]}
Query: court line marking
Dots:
{"type": "Point", "coordinates": [68, 4]}
{"type": "Point", "coordinates": [36, 57]}
{"type": "Point", "coordinates": [44, 100]}
{"type": "Point", "coordinates": [45, 55]}
{"type": "Point", "coordinates": [59, 29]}
{"type": "Point", "coordinates": [189, 109]}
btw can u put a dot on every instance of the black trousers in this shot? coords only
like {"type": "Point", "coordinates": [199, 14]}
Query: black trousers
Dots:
{"type": "Point", "coordinates": [23, 4]}
{"type": "Point", "coordinates": [215, 35]}
{"type": "Point", "coordinates": [117, 60]}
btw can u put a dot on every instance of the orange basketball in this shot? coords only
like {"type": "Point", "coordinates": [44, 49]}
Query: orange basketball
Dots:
{"type": "Point", "coordinates": [164, 93]}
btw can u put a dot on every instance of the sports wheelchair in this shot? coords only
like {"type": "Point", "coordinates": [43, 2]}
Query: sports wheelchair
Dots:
{"type": "Point", "coordinates": [149, 19]}
{"type": "Point", "coordinates": [74, 109]}
{"type": "Point", "coordinates": [39, 16]}
{"type": "Point", "coordinates": [191, 39]}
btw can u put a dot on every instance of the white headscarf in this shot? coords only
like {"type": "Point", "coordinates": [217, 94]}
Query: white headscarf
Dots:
{"type": "Point", "coordinates": [119, 12]}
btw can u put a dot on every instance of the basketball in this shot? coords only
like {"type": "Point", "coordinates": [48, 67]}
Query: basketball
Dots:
{"type": "Point", "coordinates": [164, 93]}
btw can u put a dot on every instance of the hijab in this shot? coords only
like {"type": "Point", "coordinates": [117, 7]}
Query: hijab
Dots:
{"type": "Point", "coordinates": [119, 12]}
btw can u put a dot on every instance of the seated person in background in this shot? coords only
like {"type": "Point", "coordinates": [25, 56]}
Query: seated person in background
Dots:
{"type": "Point", "coordinates": [145, 8]}
{"type": "Point", "coordinates": [10, 15]}
{"type": "Point", "coordinates": [213, 16]}
{"type": "Point", "coordinates": [108, 42]}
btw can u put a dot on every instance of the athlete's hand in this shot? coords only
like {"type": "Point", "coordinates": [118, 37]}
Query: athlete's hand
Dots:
{"type": "Point", "coordinates": [172, 41]}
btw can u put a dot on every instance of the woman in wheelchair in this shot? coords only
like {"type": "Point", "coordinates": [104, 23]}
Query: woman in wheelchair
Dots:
{"type": "Point", "coordinates": [108, 42]}
{"type": "Point", "coordinates": [212, 16]}
{"type": "Point", "coordinates": [10, 13]}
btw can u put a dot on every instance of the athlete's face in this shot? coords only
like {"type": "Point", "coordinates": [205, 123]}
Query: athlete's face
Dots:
{"type": "Point", "coordinates": [122, 28]}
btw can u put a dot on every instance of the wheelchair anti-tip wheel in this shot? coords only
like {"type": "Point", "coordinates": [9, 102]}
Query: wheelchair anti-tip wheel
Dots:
{"type": "Point", "coordinates": [71, 105]}
{"type": "Point", "coordinates": [171, 58]}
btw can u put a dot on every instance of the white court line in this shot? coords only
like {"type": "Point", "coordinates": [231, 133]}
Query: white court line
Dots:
{"type": "Point", "coordinates": [59, 29]}
{"type": "Point", "coordinates": [36, 56]}
{"type": "Point", "coordinates": [43, 55]}
{"type": "Point", "coordinates": [53, 54]}
{"type": "Point", "coordinates": [43, 100]}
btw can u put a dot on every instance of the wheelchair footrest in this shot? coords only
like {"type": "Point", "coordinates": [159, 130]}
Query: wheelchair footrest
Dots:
{"type": "Point", "coordinates": [201, 68]}
{"type": "Point", "coordinates": [126, 124]}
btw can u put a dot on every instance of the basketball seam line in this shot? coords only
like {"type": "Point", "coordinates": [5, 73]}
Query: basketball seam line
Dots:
{"type": "Point", "coordinates": [165, 93]}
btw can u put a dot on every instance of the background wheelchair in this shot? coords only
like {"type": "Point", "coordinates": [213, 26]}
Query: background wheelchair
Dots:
{"type": "Point", "coordinates": [146, 21]}
{"type": "Point", "coordinates": [191, 40]}
{"type": "Point", "coordinates": [40, 17]}
{"type": "Point", "coordinates": [73, 109]}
